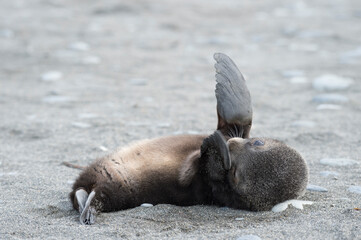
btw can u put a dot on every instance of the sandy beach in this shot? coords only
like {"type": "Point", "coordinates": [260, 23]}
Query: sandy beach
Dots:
{"type": "Point", "coordinates": [78, 79]}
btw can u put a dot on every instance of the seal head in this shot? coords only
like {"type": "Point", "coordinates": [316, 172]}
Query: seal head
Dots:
{"type": "Point", "coordinates": [253, 173]}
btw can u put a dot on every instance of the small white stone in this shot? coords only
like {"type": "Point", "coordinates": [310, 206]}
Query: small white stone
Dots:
{"type": "Point", "coordinates": [146, 205]}
{"type": "Point", "coordinates": [80, 125]}
{"type": "Point", "coordinates": [239, 219]}
{"type": "Point", "coordinates": [338, 162]}
{"type": "Point", "coordinates": [91, 60]}
{"type": "Point", "coordinates": [351, 56]}
{"type": "Point", "coordinates": [79, 46]}
{"type": "Point", "coordinates": [7, 33]}
{"type": "Point", "coordinates": [329, 173]}
{"type": "Point", "coordinates": [305, 123]}
{"type": "Point", "coordinates": [163, 125]}
{"type": "Point", "coordinates": [330, 82]}
{"type": "Point", "coordinates": [292, 73]}
{"type": "Point", "coordinates": [303, 47]}
{"type": "Point", "coordinates": [355, 189]}
{"type": "Point", "coordinates": [328, 107]}
{"type": "Point", "coordinates": [179, 132]}
{"type": "Point", "coordinates": [8, 174]}
{"type": "Point", "coordinates": [284, 205]}
{"type": "Point", "coordinates": [281, 12]}
{"type": "Point", "coordinates": [87, 115]}
{"type": "Point", "coordinates": [51, 76]}
{"type": "Point", "coordinates": [138, 81]}
{"type": "Point", "coordinates": [192, 132]}
{"type": "Point", "coordinates": [138, 124]}
{"type": "Point", "coordinates": [315, 188]}
{"type": "Point", "coordinates": [57, 99]}
{"type": "Point", "coordinates": [148, 99]}
{"type": "Point", "coordinates": [249, 237]}
{"type": "Point", "coordinates": [70, 182]}
{"type": "Point", "coordinates": [104, 149]}
{"type": "Point", "coordinates": [31, 117]}
{"type": "Point", "coordinates": [298, 80]}
{"type": "Point", "coordinates": [330, 98]}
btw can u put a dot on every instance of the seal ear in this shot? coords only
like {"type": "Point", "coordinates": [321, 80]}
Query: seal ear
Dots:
{"type": "Point", "coordinates": [216, 145]}
{"type": "Point", "coordinates": [234, 106]}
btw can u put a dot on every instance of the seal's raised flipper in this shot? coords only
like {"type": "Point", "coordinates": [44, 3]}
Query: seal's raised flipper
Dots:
{"type": "Point", "coordinates": [234, 107]}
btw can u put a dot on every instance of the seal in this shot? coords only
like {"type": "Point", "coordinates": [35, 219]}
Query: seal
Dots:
{"type": "Point", "coordinates": [227, 168]}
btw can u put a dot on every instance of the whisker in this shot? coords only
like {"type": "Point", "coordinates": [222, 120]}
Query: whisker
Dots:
{"type": "Point", "coordinates": [236, 128]}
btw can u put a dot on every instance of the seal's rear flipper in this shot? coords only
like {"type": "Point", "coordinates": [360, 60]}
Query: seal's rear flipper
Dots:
{"type": "Point", "coordinates": [87, 217]}
{"type": "Point", "coordinates": [81, 196]}
{"type": "Point", "coordinates": [234, 107]}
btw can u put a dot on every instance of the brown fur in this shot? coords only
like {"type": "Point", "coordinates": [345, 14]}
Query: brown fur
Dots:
{"type": "Point", "coordinates": [146, 171]}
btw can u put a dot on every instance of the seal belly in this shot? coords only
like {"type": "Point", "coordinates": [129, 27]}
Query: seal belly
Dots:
{"type": "Point", "coordinates": [146, 171]}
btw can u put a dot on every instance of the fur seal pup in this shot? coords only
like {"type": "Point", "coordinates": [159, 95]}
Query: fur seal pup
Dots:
{"type": "Point", "coordinates": [226, 168]}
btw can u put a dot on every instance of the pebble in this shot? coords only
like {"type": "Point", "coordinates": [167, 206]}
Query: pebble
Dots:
{"type": "Point", "coordinates": [330, 82]}
{"type": "Point", "coordinates": [304, 47]}
{"type": "Point", "coordinates": [31, 117]}
{"type": "Point", "coordinates": [292, 73]}
{"type": "Point", "coordinates": [104, 149]}
{"type": "Point", "coordinates": [355, 189]}
{"type": "Point", "coordinates": [328, 107]}
{"type": "Point", "coordinates": [284, 205]}
{"type": "Point", "coordinates": [338, 162]}
{"type": "Point", "coordinates": [329, 173]}
{"type": "Point", "coordinates": [57, 99]}
{"type": "Point", "coordinates": [163, 125]}
{"type": "Point", "coordinates": [239, 219]}
{"type": "Point", "coordinates": [315, 188]}
{"type": "Point", "coordinates": [139, 124]}
{"type": "Point", "coordinates": [91, 60]}
{"type": "Point", "coordinates": [330, 98]}
{"type": "Point", "coordinates": [81, 125]}
{"type": "Point", "coordinates": [146, 205]}
{"type": "Point", "coordinates": [51, 76]}
{"type": "Point", "coordinates": [8, 174]}
{"type": "Point", "coordinates": [305, 123]}
{"type": "Point", "coordinates": [350, 56]}
{"type": "Point", "coordinates": [6, 33]}
{"type": "Point", "coordinates": [193, 132]}
{"type": "Point", "coordinates": [70, 182]}
{"type": "Point", "coordinates": [87, 115]}
{"type": "Point", "coordinates": [248, 237]}
{"type": "Point", "coordinates": [79, 46]}
{"type": "Point", "coordinates": [148, 99]}
{"type": "Point", "coordinates": [298, 80]}
{"type": "Point", "coordinates": [138, 81]}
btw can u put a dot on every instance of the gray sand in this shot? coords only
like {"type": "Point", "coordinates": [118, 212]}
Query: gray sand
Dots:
{"type": "Point", "coordinates": [128, 70]}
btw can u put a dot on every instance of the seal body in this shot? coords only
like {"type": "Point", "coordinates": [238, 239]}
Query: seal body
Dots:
{"type": "Point", "coordinates": [146, 171]}
{"type": "Point", "coordinates": [226, 168]}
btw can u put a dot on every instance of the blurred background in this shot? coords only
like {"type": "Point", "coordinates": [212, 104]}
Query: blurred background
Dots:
{"type": "Point", "coordinates": [115, 71]}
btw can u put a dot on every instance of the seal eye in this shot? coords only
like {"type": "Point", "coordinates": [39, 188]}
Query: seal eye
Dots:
{"type": "Point", "coordinates": [258, 143]}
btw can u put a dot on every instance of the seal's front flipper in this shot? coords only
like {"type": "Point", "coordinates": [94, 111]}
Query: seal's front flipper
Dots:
{"type": "Point", "coordinates": [234, 107]}
{"type": "Point", "coordinates": [215, 159]}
